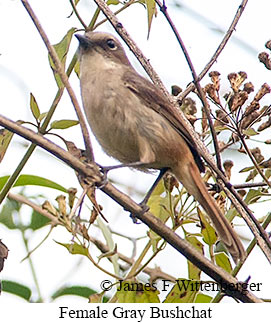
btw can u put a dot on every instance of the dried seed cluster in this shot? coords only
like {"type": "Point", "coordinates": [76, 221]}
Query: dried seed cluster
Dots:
{"type": "Point", "coordinates": [237, 109]}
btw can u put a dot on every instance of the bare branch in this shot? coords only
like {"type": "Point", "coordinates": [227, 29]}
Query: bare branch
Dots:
{"type": "Point", "coordinates": [219, 49]}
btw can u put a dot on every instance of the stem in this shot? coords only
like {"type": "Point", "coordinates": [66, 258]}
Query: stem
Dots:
{"type": "Point", "coordinates": [126, 5]}
{"type": "Point", "coordinates": [254, 161]}
{"type": "Point", "coordinates": [201, 94]}
{"type": "Point", "coordinates": [12, 179]}
{"type": "Point", "coordinates": [218, 51]}
{"type": "Point", "coordinates": [135, 266]}
{"type": "Point", "coordinates": [64, 78]}
{"type": "Point", "coordinates": [102, 269]}
{"type": "Point", "coordinates": [77, 14]}
{"type": "Point", "coordinates": [150, 259]}
{"type": "Point", "coordinates": [34, 275]}
{"type": "Point", "coordinates": [100, 245]}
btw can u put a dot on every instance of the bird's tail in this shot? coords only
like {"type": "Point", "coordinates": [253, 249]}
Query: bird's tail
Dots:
{"type": "Point", "coordinates": [192, 181]}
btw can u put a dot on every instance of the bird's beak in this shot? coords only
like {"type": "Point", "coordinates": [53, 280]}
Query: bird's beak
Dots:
{"type": "Point", "coordinates": [83, 41]}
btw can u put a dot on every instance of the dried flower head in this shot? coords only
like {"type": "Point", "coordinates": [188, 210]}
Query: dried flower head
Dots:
{"type": "Point", "coordinates": [257, 154]}
{"type": "Point", "coordinates": [236, 80]}
{"type": "Point", "coordinates": [264, 58]}
{"type": "Point", "coordinates": [175, 90]}
{"type": "Point", "coordinates": [228, 164]}
{"type": "Point", "coordinates": [265, 124]}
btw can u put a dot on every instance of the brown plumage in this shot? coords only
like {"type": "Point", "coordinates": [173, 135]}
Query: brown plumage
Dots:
{"type": "Point", "coordinates": [133, 122]}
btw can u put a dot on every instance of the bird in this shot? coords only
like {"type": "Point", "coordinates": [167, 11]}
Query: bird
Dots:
{"type": "Point", "coordinates": [133, 122]}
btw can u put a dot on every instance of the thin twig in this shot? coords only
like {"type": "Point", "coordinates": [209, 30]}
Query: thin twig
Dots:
{"type": "Point", "coordinates": [90, 170]}
{"type": "Point", "coordinates": [64, 79]}
{"type": "Point", "coordinates": [249, 185]}
{"type": "Point", "coordinates": [202, 96]}
{"type": "Point", "coordinates": [218, 51]}
{"type": "Point", "coordinates": [11, 180]}
{"type": "Point", "coordinates": [78, 204]}
{"type": "Point", "coordinates": [125, 6]}
{"type": "Point", "coordinates": [154, 273]}
{"type": "Point", "coordinates": [253, 159]}
{"type": "Point", "coordinates": [21, 199]}
{"type": "Point", "coordinates": [77, 14]}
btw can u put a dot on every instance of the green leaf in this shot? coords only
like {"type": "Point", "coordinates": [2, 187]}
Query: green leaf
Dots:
{"type": "Point", "coordinates": [253, 196]}
{"type": "Point", "coordinates": [82, 291]}
{"type": "Point", "coordinates": [202, 298]}
{"type": "Point", "coordinates": [223, 261]}
{"type": "Point", "coordinates": [114, 2]}
{"type": "Point", "coordinates": [184, 291]}
{"type": "Point", "coordinates": [33, 180]}
{"type": "Point", "coordinates": [74, 248]}
{"type": "Point", "coordinates": [42, 116]}
{"type": "Point", "coordinates": [246, 169]}
{"type": "Point", "coordinates": [135, 292]}
{"type": "Point", "coordinates": [34, 107]}
{"type": "Point", "coordinates": [151, 10]}
{"type": "Point", "coordinates": [77, 68]}
{"type": "Point", "coordinates": [250, 132]}
{"type": "Point", "coordinates": [193, 271]}
{"type": "Point", "coordinates": [159, 189]}
{"type": "Point", "coordinates": [62, 50]}
{"type": "Point", "coordinates": [63, 124]}
{"type": "Point", "coordinates": [38, 221]}
{"type": "Point", "coordinates": [252, 175]}
{"type": "Point", "coordinates": [158, 207]}
{"type": "Point", "coordinates": [5, 139]}
{"type": "Point", "coordinates": [6, 214]}
{"type": "Point", "coordinates": [267, 173]}
{"type": "Point", "coordinates": [16, 289]}
{"type": "Point", "coordinates": [207, 231]}
{"type": "Point", "coordinates": [111, 245]}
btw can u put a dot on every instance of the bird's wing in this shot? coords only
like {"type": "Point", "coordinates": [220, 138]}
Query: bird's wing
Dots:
{"type": "Point", "coordinates": [153, 98]}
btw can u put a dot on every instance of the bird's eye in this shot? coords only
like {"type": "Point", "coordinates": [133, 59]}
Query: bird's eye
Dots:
{"type": "Point", "coordinates": [111, 44]}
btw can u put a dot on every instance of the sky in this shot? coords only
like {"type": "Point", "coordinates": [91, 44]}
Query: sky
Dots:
{"type": "Point", "coordinates": [24, 69]}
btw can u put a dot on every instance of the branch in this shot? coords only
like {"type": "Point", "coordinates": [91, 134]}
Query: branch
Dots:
{"type": "Point", "coordinates": [154, 273]}
{"type": "Point", "coordinates": [64, 78]}
{"type": "Point", "coordinates": [202, 96]}
{"type": "Point", "coordinates": [91, 171]}
{"type": "Point", "coordinates": [77, 14]}
{"type": "Point", "coordinates": [218, 51]}
{"type": "Point", "coordinates": [260, 172]}
{"type": "Point", "coordinates": [21, 199]}
{"type": "Point", "coordinates": [250, 185]}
